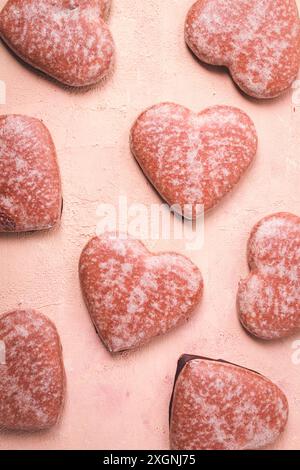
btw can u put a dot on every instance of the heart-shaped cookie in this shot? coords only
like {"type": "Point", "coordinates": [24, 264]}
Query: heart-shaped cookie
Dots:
{"type": "Point", "coordinates": [30, 188]}
{"type": "Point", "coordinates": [66, 39]}
{"type": "Point", "coordinates": [133, 295]}
{"type": "Point", "coordinates": [217, 405]}
{"type": "Point", "coordinates": [193, 160]}
{"type": "Point", "coordinates": [32, 379]}
{"type": "Point", "coordinates": [269, 299]}
{"type": "Point", "coordinates": [105, 8]}
{"type": "Point", "coordinates": [257, 40]}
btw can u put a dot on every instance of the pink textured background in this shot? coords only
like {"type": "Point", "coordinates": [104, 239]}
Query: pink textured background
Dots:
{"type": "Point", "coordinates": [122, 402]}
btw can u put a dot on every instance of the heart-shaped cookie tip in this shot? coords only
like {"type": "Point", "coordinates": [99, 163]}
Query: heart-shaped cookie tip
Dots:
{"type": "Point", "coordinates": [32, 379]}
{"type": "Point", "coordinates": [133, 295]}
{"type": "Point", "coordinates": [268, 300]}
{"type": "Point", "coordinates": [221, 406]}
{"type": "Point", "coordinates": [106, 6]}
{"type": "Point", "coordinates": [30, 187]}
{"type": "Point", "coordinates": [193, 159]}
{"type": "Point", "coordinates": [66, 39]}
{"type": "Point", "coordinates": [257, 40]}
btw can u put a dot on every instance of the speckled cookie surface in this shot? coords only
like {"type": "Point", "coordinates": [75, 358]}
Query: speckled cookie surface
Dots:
{"type": "Point", "coordinates": [66, 39]}
{"type": "Point", "coordinates": [269, 299]}
{"type": "Point", "coordinates": [32, 380]}
{"type": "Point", "coordinates": [30, 187]}
{"type": "Point", "coordinates": [192, 159]}
{"type": "Point", "coordinates": [221, 406]}
{"type": "Point", "coordinates": [133, 295]}
{"type": "Point", "coordinates": [257, 40]}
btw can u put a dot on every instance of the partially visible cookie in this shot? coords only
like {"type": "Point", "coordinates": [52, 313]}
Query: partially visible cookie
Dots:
{"type": "Point", "coordinates": [269, 298]}
{"type": "Point", "coordinates": [30, 187]}
{"type": "Point", "coordinates": [257, 40]}
{"type": "Point", "coordinates": [217, 405]}
{"type": "Point", "coordinates": [66, 39]}
{"type": "Point", "coordinates": [32, 378]}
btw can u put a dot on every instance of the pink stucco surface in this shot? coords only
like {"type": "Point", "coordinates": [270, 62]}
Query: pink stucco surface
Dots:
{"type": "Point", "coordinates": [122, 402]}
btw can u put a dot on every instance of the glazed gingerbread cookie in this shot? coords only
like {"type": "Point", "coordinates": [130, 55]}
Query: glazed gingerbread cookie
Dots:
{"type": "Point", "coordinates": [193, 159]}
{"type": "Point", "coordinates": [30, 187]}
{"type": "Point", "coordinates": [217, 405]}
{"type": "Point", "coordinates": [133, 295]}
{"type": "Point", "coordinates": [257, 40]}
{"type": "Point", "coordinates": [66, 39]}
{"type": "Point", "coordinates": [269, 299]}
{"type": "Point", "coordinates": [32, 378]}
